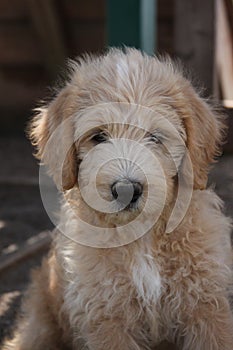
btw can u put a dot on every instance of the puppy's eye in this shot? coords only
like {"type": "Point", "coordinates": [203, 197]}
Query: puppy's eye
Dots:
{"type": "Point", "coordinates": [155, 138]}
{"type": "Point", "coordinates": [100, 137]}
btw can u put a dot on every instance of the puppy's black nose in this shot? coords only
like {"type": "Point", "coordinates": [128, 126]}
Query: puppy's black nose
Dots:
{"type": "Point", "coordinates": [126, 191]}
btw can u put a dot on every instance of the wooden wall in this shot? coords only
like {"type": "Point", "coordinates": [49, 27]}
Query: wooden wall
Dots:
{"type": "Point", "coordinates": [165, 35]}
{"type": "Point", "coordinates": [25, 71]}
{"type": "Point", "coordinates": [24, 75]}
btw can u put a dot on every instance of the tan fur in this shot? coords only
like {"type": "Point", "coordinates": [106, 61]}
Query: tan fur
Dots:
{"type": "Point", "coordinates": [161, 286]}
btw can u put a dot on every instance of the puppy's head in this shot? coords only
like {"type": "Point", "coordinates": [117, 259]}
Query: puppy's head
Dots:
{"type": "Point", "coordinates": [120, 130]}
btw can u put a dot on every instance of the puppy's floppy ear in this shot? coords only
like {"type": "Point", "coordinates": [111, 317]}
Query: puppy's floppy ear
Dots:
{"type": "Point", "coordinates": [51, 131]}
{"type": "Point", "coordinates": [204, 135]}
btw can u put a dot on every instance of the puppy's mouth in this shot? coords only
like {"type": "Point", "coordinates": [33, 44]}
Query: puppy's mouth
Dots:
{"type": "Point", "coordinates": [132, 207]}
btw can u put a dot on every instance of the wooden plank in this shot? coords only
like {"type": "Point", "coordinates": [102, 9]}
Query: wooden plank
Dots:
{"type": "Point", "coordinates": [194, 38]}
{"type": "Point", "coordinates": [86, 37]}
{"type": "Point", "coordinates": [229, 8]}
{"type": "Point", "coordinates": [165, 9]}
{"type": "Point", "coordinates": [88, 10]}
{"type": "Point", "coordinates": [28, 250]}
{"type": "Point", "coordinates": [165, 38]}
{"type": "Point", "coordinates": [224, 52]}
{"type": "Point", "coordinates": [13, 10]}
{"type": "Point", "coordinates": [19, 94]}
{"type": "Point", "coordinates": [47, 24]}
{"type": "Point", "coordinates": [228, 147]}
{"type": "Point", "coordinates": [26, 74]}
{"type": "Point", "coordinates": [165, 35]}
{"type": "Point", "coordinates": [69, 9]}
{"type": "Point", "coordinates": [19, 45]}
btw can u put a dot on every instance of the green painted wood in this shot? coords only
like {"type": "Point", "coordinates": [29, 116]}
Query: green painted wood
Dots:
{"type": "Point", "coordinates": [148, 26]}
{"type": "Point", "coordinates": [131, 23]}
{"type": "Point", "coordinates": [123, 23]}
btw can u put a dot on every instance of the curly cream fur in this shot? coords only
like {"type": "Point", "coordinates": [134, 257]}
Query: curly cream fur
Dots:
{"type": "Point", "coordinates": [161, 286]}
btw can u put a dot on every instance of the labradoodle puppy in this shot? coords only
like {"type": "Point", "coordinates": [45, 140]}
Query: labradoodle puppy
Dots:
{"type": "Point", "coordinates": [142, 251]}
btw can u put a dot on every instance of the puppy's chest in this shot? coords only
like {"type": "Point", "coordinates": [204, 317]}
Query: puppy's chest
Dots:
{"type": "Point", "coordinates": [116, 289]}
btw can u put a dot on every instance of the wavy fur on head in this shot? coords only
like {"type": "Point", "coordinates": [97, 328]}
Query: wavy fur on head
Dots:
{"type": "Point", "coordinates": [126, 110]}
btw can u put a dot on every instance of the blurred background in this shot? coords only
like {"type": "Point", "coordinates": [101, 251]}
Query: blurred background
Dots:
{"type": "Point", "coordinates": [36, 38]}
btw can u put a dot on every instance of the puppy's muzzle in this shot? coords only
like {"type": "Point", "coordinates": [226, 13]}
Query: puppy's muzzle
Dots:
{"type": "Point", "coordinates": [127, 192]}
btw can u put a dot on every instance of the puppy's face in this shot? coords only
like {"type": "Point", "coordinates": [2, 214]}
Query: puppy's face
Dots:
{"type": "Point", "coordinates": [129, 158]}
{"type": "Point", "coordinates": [124, 135]}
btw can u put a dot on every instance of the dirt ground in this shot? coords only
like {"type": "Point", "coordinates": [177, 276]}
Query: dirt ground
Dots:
{"type": "Point", "coordinates": [22, 217]}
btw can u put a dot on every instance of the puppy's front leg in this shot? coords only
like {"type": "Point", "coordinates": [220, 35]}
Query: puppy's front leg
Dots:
{"type": "Point", "coordinates": [208, 327]}
{"type": "Point", "coordinates": [114, 335]}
